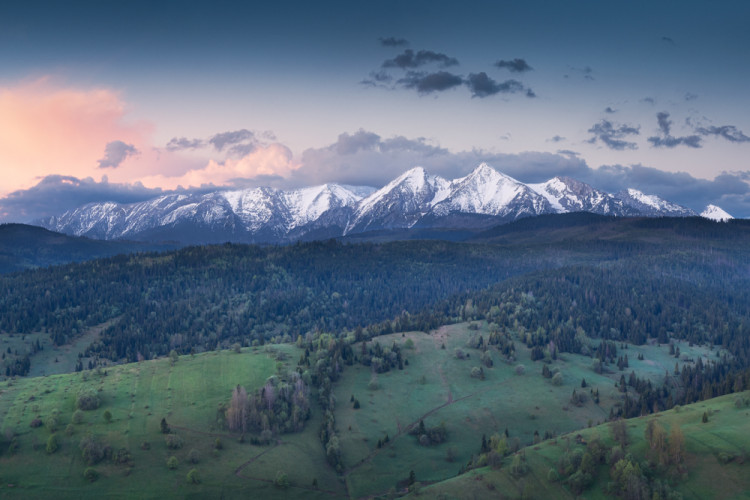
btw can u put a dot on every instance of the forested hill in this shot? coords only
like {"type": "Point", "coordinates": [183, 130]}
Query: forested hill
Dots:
{"type": "Point", "coordinates": [198, 298]}
{"type": "Point", "coordinates": [27, 247]}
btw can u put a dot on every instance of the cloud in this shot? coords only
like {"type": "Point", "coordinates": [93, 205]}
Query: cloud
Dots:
{"type": "Point", "coordinates": [116, 152]}
{"type": "Point", "coordinates": [612, 135]}
{"type": "Point", "coordinates": [514, 65]}
{"type": "Point", "coordinates": [730, 190]}
{"type": "Point", "coordinates": [668, 40]}
{"type": "Point", "coordinates": [728, 132]}
{"type": "Point", "coordinates": [359, 141]}
{"type": "Point", "coordinates": [183, 143]}
{"type": "Point", "coordinates": [587, 72]}
{"type": "Point", "coordinates": [482, 85]}
{"type": "Point", "coordinates": [378, 79]}
{"type": "Point", "coordinates": [236, 142]}
{"type": "Point", "coordinates": [241, 141]}
{"type": "Point", "coordinates": [426, 83]}
{"type": "Point", "coordinates": [264, 161]}
{"type": "Point", "coordinates": [557, 138]}
{"type": "Point", "coordinates": [409, 59]}
{"type": "Point", "coordinates": [365, 158]}
{"type": "Point", "coordinates": [666, 140]}
{"type": "Point", "coordinates": [649, 100]}
{"type": "Point", "coordinates": [393, 42]}
{"type": "Point", "coordinates": [56, 194]}
{"type": "Point", "coordinates": [45, 125]}
{"type": "Point", "coordinates": [690, 96]}
{"type": "Point", "coordinates": [610, 110]}
{"type": "Point", "coordinates": [567, 152]}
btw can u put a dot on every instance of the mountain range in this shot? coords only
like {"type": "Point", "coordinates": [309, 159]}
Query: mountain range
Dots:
{"type": "Point", "coordinates": [414, 200]}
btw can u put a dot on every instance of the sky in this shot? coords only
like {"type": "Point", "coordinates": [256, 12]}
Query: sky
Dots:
{"type": "Point", "coordinates": [125, 101]}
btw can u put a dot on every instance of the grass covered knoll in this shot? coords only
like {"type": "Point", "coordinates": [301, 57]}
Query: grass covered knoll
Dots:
{"type": "Point", "coordinates": [129, 402]}
{"type": "Point", "coordinates": [713, 462]}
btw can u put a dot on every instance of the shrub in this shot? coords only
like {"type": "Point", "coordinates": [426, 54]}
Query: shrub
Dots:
{"type": "Point", "coordinates": [77, 417]}
{"type": "Point", "coordinates": [107, 416]}
{"type": "Point", "coordinates": [476, 372]}
{"type": "Point", "coordinates": [52, 444]}
{"type": "Point", "coordinates": [92, 450]}
{"type": "Point", "coordinates": [192, 476]}
{"type": "Point", "coordinates": [37, 422]}
{"type": "Point", "coordinates": [557, 379]}
{"type": "Point", "coordinates": [52, 423]}
{"type": "Point", "coordinates": [282, 480]}
{"type": "Point", "coordinates": [87, 399]}
{"type": "Point", "coordinates": [172, 463]}
{"type": "Point", "coordinates": [173, 441]}
{"type": "Point", "coordinates": [218, 444]}
{"type": "Point", "coordinates": [520, 369]}
{"type": "Point", "coordinates": [69, 430]}
{"type": "Point", "coordinates": [194, 456]}
{"type": "Point", "coordinates": [122, 456]}
{"type": "Point", "coordinates": [91, 474]}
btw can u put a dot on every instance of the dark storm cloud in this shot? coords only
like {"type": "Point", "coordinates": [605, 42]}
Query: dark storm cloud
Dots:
{"type": "Point", "coordinates": [514, 65]}
{"type": "Point", "coordinates": [666, 140]}
{"type": "Point", "coordinates": [482, 85]}
{"type": "Point", "coordinates": [116, 152]}
{"type": "Point", "coordinates": [391, 41]}
{"type": "Point", "coordinates": [426, 83]}
{"type": "Point", "coordinates": [613, 135]}
{"type": "Point", "coordinates": [55, 194]}
{"type": "Point", "coordinates": [728, 132]}
{"type": "Point", "coordinates": [410, 59]}
{"type": "Point", "coordinates": [183, 143]}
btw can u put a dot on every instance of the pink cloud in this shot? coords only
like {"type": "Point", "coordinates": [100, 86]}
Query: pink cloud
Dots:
{"type": "Point", "coordinates": [47, 128]}
{"type": "Point", "coordinates": [274, 159]}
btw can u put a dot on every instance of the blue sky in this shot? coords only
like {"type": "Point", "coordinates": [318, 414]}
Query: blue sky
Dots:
{"type": "Point", "coordinates": [125, 100]}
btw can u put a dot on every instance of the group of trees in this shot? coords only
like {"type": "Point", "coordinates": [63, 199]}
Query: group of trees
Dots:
{"type": "Point", "coordinates": [276, 408]}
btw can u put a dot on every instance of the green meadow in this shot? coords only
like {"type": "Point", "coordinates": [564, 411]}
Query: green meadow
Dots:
{"type": "Point", "coordinates": [434, 387]}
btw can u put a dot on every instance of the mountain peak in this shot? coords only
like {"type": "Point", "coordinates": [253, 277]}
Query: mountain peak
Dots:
{"type": "Point", "coordinates": [716, 213]}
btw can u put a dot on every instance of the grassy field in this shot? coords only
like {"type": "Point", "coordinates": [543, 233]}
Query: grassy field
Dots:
{"type": "Point", "coordinates": [437, 387]}
{"type": "Point", "coordinates": [186, 393]}
{"type": "Point", "coordinates": [726, 434]}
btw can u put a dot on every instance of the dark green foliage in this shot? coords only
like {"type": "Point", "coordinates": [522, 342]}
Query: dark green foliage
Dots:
{"type": "Point", "coordinates": [173, 441]}
{"type": "Point", "coordinates": [92, 449]}
{"type": "Point", "coordinates": [164, 426]}
{"type": "Point", "coordinates": [52, 444]}
{"type": "Point", "coordinates": [87, 399]}
{"type": "Point", "coordinates": [90, 474]}
{"type": "Point", "coordinates": [193, 477]}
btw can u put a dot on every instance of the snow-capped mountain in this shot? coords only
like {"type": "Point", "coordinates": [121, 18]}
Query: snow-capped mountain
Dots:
{"type": "Point", "coordinates": [569, 195]}
{"type": "Point", "coordinates": [415, 199]}
{"type": "Point", "coordinates": [716, 213]}
{"type": "Point", "coordinates": [652, 205]}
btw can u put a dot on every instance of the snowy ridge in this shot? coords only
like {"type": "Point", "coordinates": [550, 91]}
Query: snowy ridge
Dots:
{"type": "Point", "coordinates": [415, 199]}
